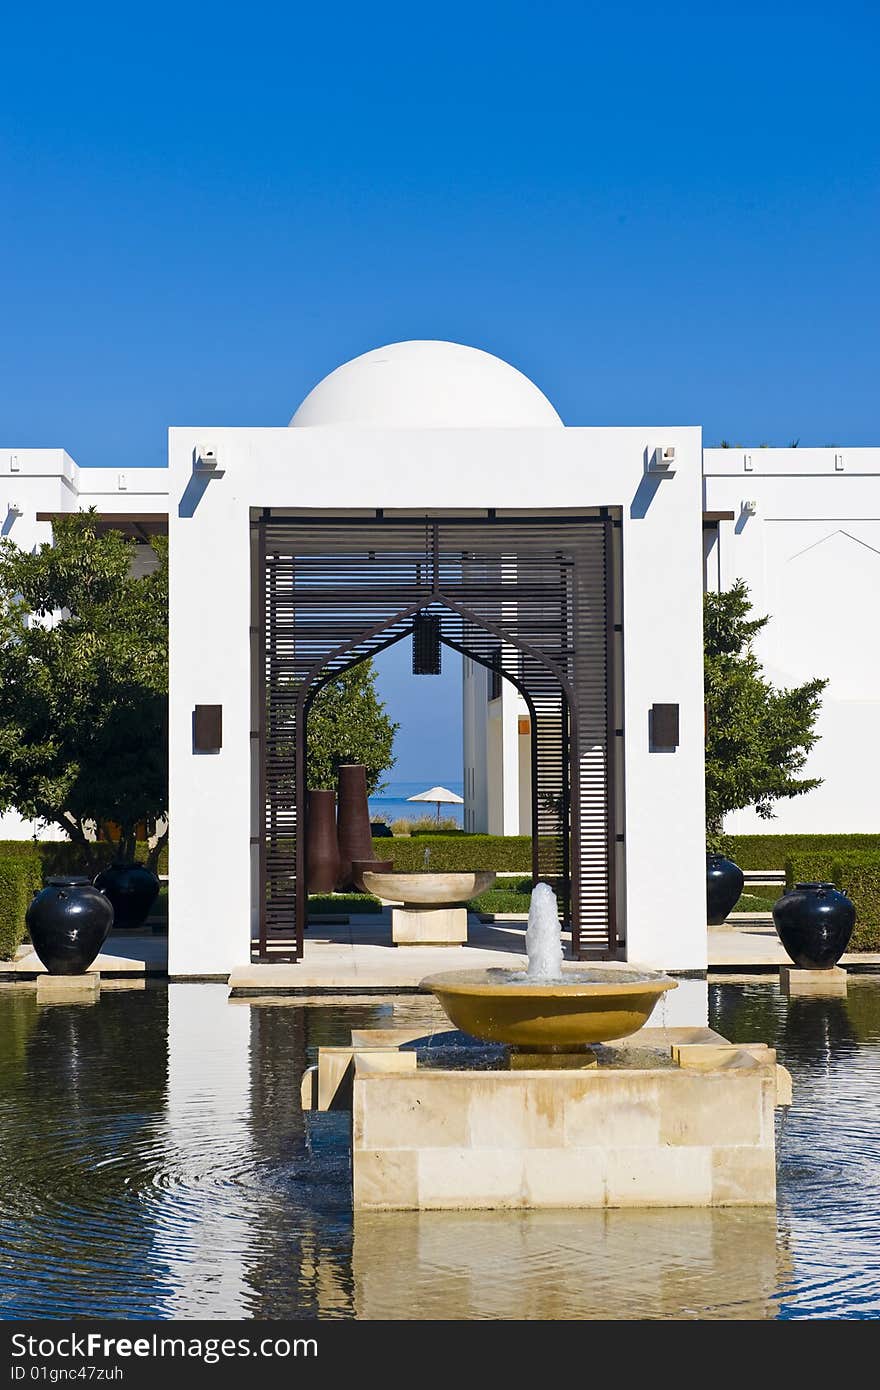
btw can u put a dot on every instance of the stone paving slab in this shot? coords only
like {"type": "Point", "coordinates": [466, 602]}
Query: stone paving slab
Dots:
{"type": "Point", "coordinates": [755, 946]}
{"type": "Point", "coordinates": [135, 953]}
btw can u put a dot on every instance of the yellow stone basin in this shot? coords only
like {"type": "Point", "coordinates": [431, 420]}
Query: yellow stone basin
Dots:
{"type": "Point", "coordinates": [428, 888]}
{"type": "Point", "coordinates": [591, 1004]}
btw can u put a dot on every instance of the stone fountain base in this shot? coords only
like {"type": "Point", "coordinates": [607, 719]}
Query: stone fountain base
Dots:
{"type": "Point", "coordinates": [429, 926]}
{"type": "Point", "coordinates": [673, 1117]}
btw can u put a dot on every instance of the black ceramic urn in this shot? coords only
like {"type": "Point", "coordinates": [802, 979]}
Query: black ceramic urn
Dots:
{"type": "Point", "coordinates": [814, 922]}
{"type": "Point", "coordinates": [132, 889]}
{"type": "Point", "coordinates": [724, 884]}
{"type": "Point", "coordinates": [69, 920]}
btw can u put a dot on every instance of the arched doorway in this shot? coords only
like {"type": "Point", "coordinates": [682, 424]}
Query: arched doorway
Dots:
{"type": "Point", "coordinates": [530, 597]}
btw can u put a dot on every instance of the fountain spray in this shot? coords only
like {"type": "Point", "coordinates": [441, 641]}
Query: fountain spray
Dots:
{"type": "Point", "coordinates": [544, 935]}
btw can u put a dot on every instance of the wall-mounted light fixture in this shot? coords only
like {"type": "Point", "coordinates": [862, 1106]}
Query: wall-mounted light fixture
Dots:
{"type": "Point", "coordinates": [750, 507]}
{"type": "Point", "coordinates": [661, 461]}
{"type": "Point", "coordinates": [14, 509]}
{"type": "Point", "coordinates": [206, 462]}
{"type": "Point", "coordinates": [426, 655]}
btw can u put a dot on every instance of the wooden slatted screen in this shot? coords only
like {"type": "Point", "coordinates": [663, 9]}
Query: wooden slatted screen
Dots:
{"type": "Point", "coordinates": [527, 596]}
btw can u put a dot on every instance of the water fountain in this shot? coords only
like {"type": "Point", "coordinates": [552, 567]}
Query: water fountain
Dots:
{"type": "Point", "coordinates": [554, 1093]}
{"type": "Point", "coordinates": [547, 1008]}
{"type": "Point", "coordinates": [432, 910]}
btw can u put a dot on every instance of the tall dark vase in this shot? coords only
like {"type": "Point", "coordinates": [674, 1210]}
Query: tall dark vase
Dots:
{"type": "Point", "coordinates": [724, 884]}
{"type": "Point", "coordinates": [814, 922]}
{"type": "Point", "coordinates": [132, 889]}
{"type": "Point", "coordinates": [322, 848]}
{"type": "Point", "coordinates": [69, 920]}
{"type": "Point", "coordinates": [353, 820]}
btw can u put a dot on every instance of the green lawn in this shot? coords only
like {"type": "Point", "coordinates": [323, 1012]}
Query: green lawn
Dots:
{"type": "Point", "coordinates": [759, 899]}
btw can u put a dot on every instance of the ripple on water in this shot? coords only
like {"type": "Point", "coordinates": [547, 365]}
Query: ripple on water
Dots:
{"type": "Point", "coordinates": [155, 1162]}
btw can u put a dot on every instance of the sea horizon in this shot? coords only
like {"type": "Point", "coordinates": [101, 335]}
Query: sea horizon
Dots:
{"type": "Point", "coordinates": [392, 804]}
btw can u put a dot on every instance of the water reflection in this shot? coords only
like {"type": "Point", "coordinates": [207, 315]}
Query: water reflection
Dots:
{"type": "Point", "coordinates": [154, 1161]}
{"type": "Point", "coordinates": [557, 1264]}
{"type": "Point", "coordinates": [828, 1143]}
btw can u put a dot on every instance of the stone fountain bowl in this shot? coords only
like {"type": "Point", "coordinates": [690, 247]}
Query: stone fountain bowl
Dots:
{"type": "Point", "coordinates": [427, 888]}
{"type": "Point", "coordinates": [589, 1004]}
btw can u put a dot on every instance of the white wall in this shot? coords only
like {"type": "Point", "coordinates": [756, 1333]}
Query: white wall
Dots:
{"type": "Point", "coordinates": [442, 469]}
{"type": "Point", "coordinates": [811, 558]}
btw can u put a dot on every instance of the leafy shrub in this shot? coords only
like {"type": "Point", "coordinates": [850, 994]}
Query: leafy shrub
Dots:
{"type": "Point", "coordinates": [451, 853]}
{"type": "Point", "coordinates": [64, 857]}
{"type": "Point", "coordinates": [19, 879]}
{"type": "Point", "coordinates": [446, 828]}
{"type": "Point", "coordinates": [772, 851]}
{"type": "Point", "coordinates": [858, 875]}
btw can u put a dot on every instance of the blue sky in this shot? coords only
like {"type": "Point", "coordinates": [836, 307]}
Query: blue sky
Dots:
{"type": "Point", "coordinates": [660, 212]}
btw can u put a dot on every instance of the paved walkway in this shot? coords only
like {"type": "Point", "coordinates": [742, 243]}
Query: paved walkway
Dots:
{"type": "Point", "coordinates": [127, 953]}
{"type": "Point", "coordinates": [752, 944]}
{"type": "Point", "coordinates": [359, 955]}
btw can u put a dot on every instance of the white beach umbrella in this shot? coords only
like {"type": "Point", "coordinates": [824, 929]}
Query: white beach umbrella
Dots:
{"type": "Point", "coordinates": [441, 795]}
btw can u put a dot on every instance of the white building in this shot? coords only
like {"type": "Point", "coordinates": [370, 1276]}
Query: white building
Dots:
{"type": "Point", "coordinates": [426, 440]}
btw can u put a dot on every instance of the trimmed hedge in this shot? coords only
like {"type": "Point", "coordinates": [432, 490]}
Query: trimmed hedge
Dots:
{"type": "Point", "coordinates": [26, 864]}
{"type": "Point", "coordinates": [437, 834]}
{"type": "Point", "coordinates": [457, 853]}
{"type": "Point", "coordinates": [771, 851]}
{"type": "Point", "coordinates": [20, 877]}
{"type": "Point", "coordinates": [64, 857]}
{"type": "Point", "coordinates": [858, 875]}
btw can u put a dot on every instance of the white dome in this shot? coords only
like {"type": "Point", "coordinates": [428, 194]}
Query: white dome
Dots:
{"type": "Point", "coordinates": [423, 385]}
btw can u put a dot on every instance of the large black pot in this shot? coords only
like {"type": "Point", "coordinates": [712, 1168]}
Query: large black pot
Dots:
{"type": "Point", "coordinates": [132, 889]}
{"type": "Point", "coordinates": [814, 922]}
{"type": "Point", "coordinates": [724, 884]}
{"type": "Point", "coordinates": [69, 920]}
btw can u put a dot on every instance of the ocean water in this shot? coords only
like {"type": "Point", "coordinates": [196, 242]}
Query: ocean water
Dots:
{"type": "Point", "coordinates": [392, 803]}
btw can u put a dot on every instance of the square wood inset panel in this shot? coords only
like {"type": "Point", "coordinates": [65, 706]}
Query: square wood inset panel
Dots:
{"type": "Point", "coordinates": [664, 726]}
{"type": "Point", "coordinates": [207, 728]}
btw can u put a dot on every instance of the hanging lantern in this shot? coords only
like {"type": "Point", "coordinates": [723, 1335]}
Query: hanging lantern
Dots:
{"type": "Point", "coordinates": [426, 645]}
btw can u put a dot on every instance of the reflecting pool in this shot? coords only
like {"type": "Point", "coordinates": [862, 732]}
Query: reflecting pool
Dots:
{"type": "Point", "coordinates": [155, 1162]}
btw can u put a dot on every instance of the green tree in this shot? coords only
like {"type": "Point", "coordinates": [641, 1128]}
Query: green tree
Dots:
{"type": "Point", "coordinates": [84, 686]}
{"type": "Point", "coordinates": [757, 737]}
{"type": "Point", "coordinates": [348, 724]}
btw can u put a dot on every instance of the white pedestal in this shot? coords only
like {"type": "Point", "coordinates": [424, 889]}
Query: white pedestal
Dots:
{"type": "Point", "coordinates": [429, 926]}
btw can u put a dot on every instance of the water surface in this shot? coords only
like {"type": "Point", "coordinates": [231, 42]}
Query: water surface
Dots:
{"type": "Point", "coordinates": [154, 1162]}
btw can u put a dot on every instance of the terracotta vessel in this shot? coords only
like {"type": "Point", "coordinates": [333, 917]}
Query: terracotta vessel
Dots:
{"type": "Point", "coordinates": [352, 821]}
{"type": "Point", "coordinates": [322, 849]}
{"type": "Point", "coordinates": [360, 867]}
